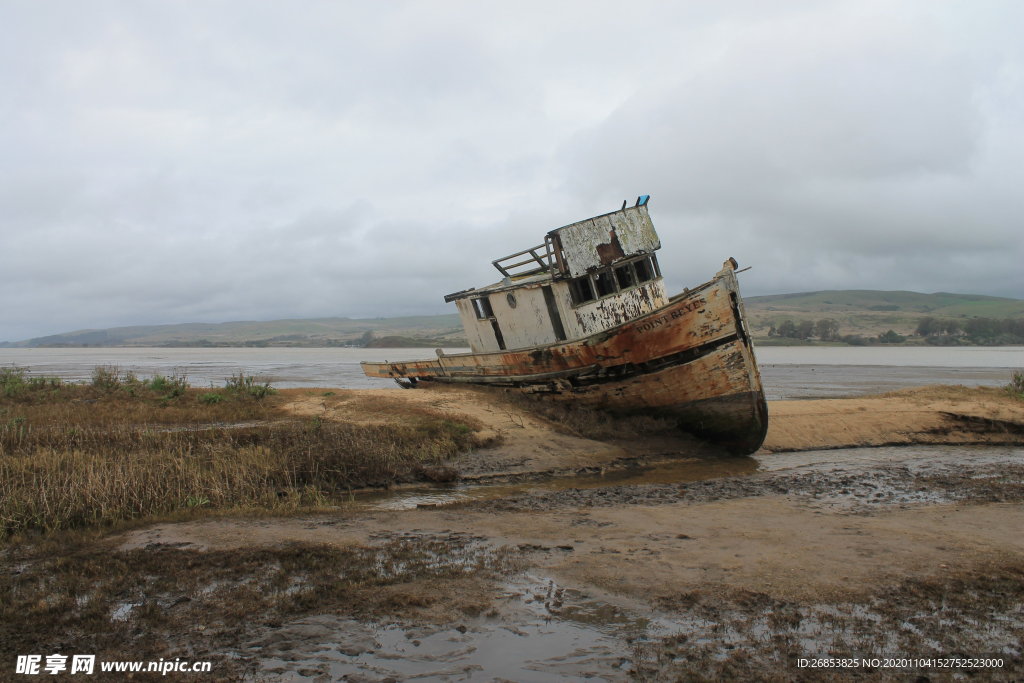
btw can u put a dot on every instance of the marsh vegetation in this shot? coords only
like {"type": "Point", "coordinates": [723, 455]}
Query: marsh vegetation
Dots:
{"type": "Point", "coordinates": [120, 448]}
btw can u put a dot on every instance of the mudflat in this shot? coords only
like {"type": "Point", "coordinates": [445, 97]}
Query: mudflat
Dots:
{"type": "Point", "coordinates": [698, 567]}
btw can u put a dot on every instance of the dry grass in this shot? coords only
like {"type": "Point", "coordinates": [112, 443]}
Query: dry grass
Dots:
{"type": "Point", "coordinates": [48, 402]}
{"type": "Point", "coordinates": [63, 592]}
{"type": "Point", "coordinates": [74, 456]}
{"type": "Point", "coordinates": [76, 477]}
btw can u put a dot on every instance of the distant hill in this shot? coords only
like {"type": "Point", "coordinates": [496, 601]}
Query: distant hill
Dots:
{"type": "Point", "coordinates": [869, 312]}
{"type": "Point", "coordinates": [859, 311]}
{"type": "Point", "coordinates": [309, 332]}
{"type": "Point", "coordinates": [939, 304]}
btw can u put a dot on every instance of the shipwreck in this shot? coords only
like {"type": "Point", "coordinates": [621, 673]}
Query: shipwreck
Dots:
{"type": "Point", "coordinates": [585, 317]}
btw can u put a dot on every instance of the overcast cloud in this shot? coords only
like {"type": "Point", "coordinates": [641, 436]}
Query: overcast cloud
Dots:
{"type": "Point", "coordinates": [166, 162]}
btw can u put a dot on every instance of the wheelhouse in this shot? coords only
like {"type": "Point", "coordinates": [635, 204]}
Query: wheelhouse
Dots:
{"type": "Point", "coordinates": [585, 278]}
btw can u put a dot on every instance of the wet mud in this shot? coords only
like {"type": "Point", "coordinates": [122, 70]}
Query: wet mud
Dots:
{"type": "Point", "coordinates": [704, 574]}
{"type": "Point", "coordinates": [559, 557]}
{"type": "Point", "coordinates": [830, 480]}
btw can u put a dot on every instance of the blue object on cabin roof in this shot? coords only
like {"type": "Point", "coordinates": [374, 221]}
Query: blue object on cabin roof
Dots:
{"type": "Point", "coordinates": [642, 199]}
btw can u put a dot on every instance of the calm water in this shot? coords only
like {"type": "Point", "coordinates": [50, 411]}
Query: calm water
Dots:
{"type": "Point", "coordinates": [788, 372]}
{"type": "Point", "coordinates": [831, 372]}
{"type": "Point", "coordinates": [335, 368]}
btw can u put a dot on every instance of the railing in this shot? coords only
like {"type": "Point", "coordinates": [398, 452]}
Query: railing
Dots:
{"type": "Point", "coordinates": [544, 264]}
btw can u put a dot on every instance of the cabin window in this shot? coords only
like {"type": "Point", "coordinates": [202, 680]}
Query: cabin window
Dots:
{"type": "Point", "coordinates": [605, 283]}
{"type": "Point", "coordinates": [511, 299]}
{"type": "Point", "coordinates": [624, 276]}
{"type": "Point", "coordinates": [483, 309]}
{"type": "Point", "coordinates": [644, 272]}
{"type": "Point", "coordinates": [612, 280]}
{"type": "Point", "coordinates": [581, 291]}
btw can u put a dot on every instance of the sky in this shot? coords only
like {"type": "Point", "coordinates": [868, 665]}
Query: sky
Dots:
{"type": "Point", "coordinates": [166, 162]}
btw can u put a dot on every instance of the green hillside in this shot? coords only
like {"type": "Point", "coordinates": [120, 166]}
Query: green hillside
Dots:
{"type": "Point", "coordinates": [870, 312]}
{"type": "Point", "coordinates": [863, 312]}
{"type": "Point", "coordinates": [939, 304]}
{"type": "Point", "coordinates": [310, 332]}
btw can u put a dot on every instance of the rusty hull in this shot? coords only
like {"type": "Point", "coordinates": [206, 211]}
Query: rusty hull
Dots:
{"type": "Point", "coordinates": [691, 360]}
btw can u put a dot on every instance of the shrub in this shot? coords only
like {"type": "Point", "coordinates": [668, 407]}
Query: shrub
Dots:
{"type": "Point", "coordinates": [211, 398]}
{"type": "Point", "coordinates": [248, 386]}
{"type": "Point", "coordinates": [175, 385]}
{"type": "Point", "coordinates": [12, 381]}
{"type": "Point", "coordinates": [891, 337]}
{"type": "Point", "coordinates": [43, 383]}
{"type": "Point", "coordinates": [107, 378]}
{"type": "Point", "coordinates": [1016, 385]}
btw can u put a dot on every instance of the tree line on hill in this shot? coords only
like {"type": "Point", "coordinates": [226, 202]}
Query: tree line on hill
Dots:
{"type": "Point", "coordinates": [982, 331]}
{"type": "Point", "coordinates": [827, 329]}
{"type": "Point", "coordinates": [936, 331]}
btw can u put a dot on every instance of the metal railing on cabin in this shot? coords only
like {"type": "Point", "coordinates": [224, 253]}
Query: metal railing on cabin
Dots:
{"type": "Point", "coordinates": [545, 264]}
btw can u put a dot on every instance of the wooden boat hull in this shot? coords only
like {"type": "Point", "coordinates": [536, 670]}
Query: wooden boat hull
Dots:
{"type": "Point", "coordinates": [691, 360]}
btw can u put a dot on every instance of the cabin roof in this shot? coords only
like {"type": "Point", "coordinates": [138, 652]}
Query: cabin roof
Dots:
{"type": "Point", "coordinates": [576, 249]}
{"type": "Point", "coordinates": [502, 286]}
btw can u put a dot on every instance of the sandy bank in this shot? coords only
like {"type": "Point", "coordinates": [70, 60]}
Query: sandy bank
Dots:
{"type": "Point", "coordinates": [927, 415]}
{"type": "Point", "coordinates": [528, 444]}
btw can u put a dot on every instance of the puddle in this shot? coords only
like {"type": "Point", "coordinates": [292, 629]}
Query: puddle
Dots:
{"type": "Point", "coordinates": [671, 472]}
{"type": "Point", "coordinates": [122, 612]}
{"type": "Point", "coordinates": [545, 632]}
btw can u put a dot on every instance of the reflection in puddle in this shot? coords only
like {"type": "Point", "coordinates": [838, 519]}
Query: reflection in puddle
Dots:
{"type": "Point", "coordinates": [544, 633]}
{"type": "Point", "coordinates": [671, 472]}
{"type": "Point", "coordinates": [123, 611]}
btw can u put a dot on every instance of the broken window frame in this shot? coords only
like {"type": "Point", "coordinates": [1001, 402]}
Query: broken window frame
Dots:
{"type": "Point", "coordinates": [627, 269]}
{"type": "Point", "coordinates": [482, 308]}
{"type": "Point", "coordinates": [648, 270]}
{"type": "Point", "coordinates": [575, 291]}
{"type": "Point", "coordinates": [604, 283]}
{"type": "Point", "coordinates": [589, 280]}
